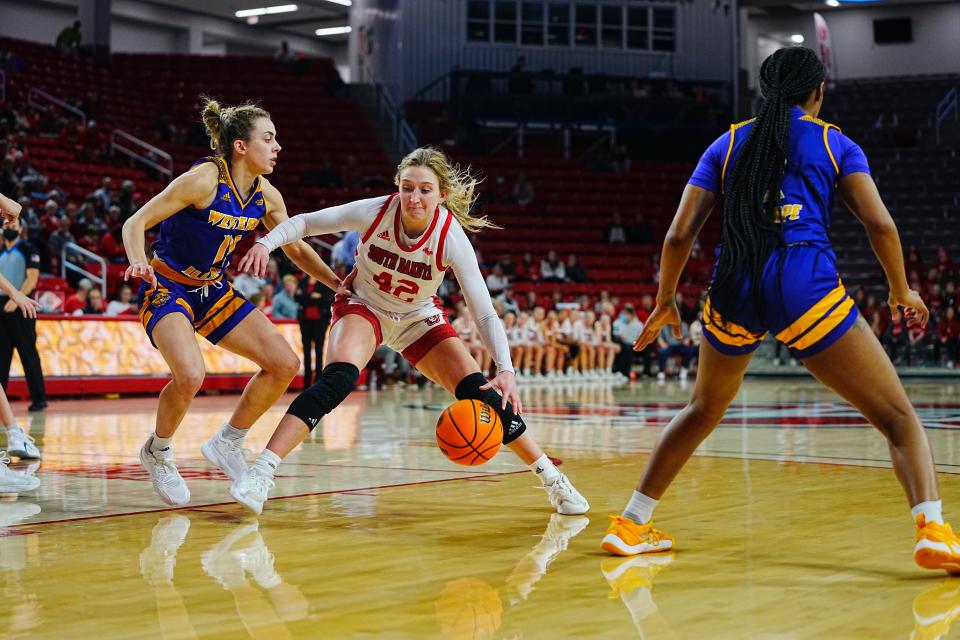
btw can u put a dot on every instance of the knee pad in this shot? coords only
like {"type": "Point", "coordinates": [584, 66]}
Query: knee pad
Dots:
{"type": "Point", "coordinates": [469, 389]}
{"type": "Point", "coordinates": [335, 383]}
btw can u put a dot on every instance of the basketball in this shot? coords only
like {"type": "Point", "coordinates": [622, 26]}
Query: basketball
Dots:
{"type": "Point", "coordinates": [469, 432]}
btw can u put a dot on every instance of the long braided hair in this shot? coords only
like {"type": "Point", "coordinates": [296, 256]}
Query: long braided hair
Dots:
{"type": "Point", "coordinates": [751, 231]}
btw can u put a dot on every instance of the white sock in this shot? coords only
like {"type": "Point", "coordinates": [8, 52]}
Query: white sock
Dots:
{"type": "Point", "coordinates": [11, 427]}
{"type": "Point", "coordinates": [640, 508]}
{"type": "Point", "coordinates": [544, 469]}
{"type": "Point", "coordinates": [231, 433]}
{"type": "Point", "coordinates": [931, 511]}
{"type": "Point", "coordinates": [268, 461]}
{"type": "Point", "coordinates": [160, 444]}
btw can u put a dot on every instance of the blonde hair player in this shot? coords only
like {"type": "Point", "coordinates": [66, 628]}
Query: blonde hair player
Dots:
{"type": "Point", "coordinates": [14, 482]}
{"type": "Point", "coordinates": [203, 215]}
{"type": "Point", "coordinates": [408, 240]}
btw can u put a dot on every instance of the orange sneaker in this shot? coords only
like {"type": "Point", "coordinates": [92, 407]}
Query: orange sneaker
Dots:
{"type": "Point", "coordinates": [937, 547]}
{"type": "Point", "coordinates": [624, 537]}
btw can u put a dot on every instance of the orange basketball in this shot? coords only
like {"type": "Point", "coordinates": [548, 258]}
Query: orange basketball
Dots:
{"type": "Point", "coordinates": [469, 432]}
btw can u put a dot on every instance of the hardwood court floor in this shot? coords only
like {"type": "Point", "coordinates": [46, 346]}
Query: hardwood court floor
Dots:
{"type": "Point", "coordinates": [789, 524]}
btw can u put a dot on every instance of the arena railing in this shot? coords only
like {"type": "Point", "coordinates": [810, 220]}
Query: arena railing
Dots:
{"type": "Point", "coordinates": [142, 152]}
{"type": "Point", "coordinates": [40, 99]}
{"type": "Point", "coordinates": [946, 105]}
{"type": "Point", "coordinates": [71, 248]}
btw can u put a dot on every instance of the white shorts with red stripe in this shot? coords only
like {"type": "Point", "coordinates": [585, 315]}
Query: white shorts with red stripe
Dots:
{"type": "Point", "coordinates": [412, 334]}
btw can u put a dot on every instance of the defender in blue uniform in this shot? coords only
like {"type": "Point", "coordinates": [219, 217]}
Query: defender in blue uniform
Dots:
{"type": "Point", "coordinates": [776, 272]}
{"type": "Point", "coordinates": [203, 215]}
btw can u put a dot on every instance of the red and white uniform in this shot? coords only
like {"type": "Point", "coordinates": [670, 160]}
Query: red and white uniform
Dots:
{"type": "Point", "coordinates": [398, 277]}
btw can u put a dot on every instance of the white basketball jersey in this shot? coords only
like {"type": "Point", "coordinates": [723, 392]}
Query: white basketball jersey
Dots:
{"type": "Point", "coordinates": [394, 277]}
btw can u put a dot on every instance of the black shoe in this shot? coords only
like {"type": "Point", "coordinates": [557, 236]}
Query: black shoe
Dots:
{"type": "Point", "coordinates": [37, 406]}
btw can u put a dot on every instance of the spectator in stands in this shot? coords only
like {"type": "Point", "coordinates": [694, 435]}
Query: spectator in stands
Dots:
{"type": "Point", "coordinates": [669, 345]}
{"type": "Point", "coordinates": [162, 127]}
{"type": "Point", "coordinates": [20, 264]}
{"type": "Point", "coordinates": [944, 264]}
{"type": "Point", "coordinates": [266, 305]}
{"type": "Point", "coordinates": [574, 270]}
{"type": "Point", "coordinates": [615, 232]}
{"type": "Point", "coordinates": [111, 242]}
{"type": "Point", "coordinates": [950, 294]}
{"type": "Point", "coordinates": [509, 266]}
{"type": "Point", "coordinates": [552, 269]}
{"type": "Point", "coordinates": [917, 341]}
{"type": "Point", "coordinates": [104, 194]}
{"type": "Point", "coordinates": [497, 281]}
{"type": "Point", "coordinates": [124, 305]}
{"type": "Point", "coordinates": [8, 176]}
{"type": "Point", "coordinates": [523, 191]}
{"type": "Point", "coordinates": [947, 342]}
{"type": "Point", "coordinates": [328, 176]}
{"type": "Point", "coordinates": [914, 262]}
{"type": "Point", "coordinates": [69, 39]}
{"type": "Point", "coordinates": [247, 284]}
{"type": "Point", "coordinates": [56, 241]}
{"type": "Point", "coordinates": [510, 304]}
{"type": "Point", "coordinates": [126, 200]}
{"type": "Point", "coordinates": [90, 240]}
{"type": "Point", "coordinates": [641, 231]}
{"type": "Point", "coordinates": [481, 261]}
{"type": "Point", "coordinates": [78, 300]}
{"type": "Point", "coordinates": [272, 276]}
{"type": "Point", "coordinates": [626, 329]}
{"type": "Point", "coordinates": [94, 304]}
{"type": "Point", "coordinates": [530, 302]}
{"type": "Point", "coordinates": [31, 219]}
{"type": "Point", "coordinates": [284, 55]}
{"type": "Point", "coordinates": [285, 306]}
{"type": "Point", "coordinates": [527, 270]}
{"type": "Point", "coordinates": [314, 316]}
{"type": "Point", "coordinates": [344, 253]}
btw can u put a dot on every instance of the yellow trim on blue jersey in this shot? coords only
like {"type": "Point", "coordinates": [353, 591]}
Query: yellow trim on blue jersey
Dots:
{"type": "Point", "coordinates": [221, 317]}
{"type": "Point", "coordinates": [216, 308]}
{"type": "Point", "coordinates": [183, 303]}
{"type": "Point", "coordinates": [813, 315]}
{"type": "Point", "coordinates": [145, 319]}
{"type": "Point", "coordinates": [733, 129]}
{"type": "Point", "coordinates": [729, 333]}
{"type": "Point", "coordinates": [828, 324]}
{"type": "Point", "coordinates": [826, 129]}
{"type": "Point", "coordinates": [225, 166]}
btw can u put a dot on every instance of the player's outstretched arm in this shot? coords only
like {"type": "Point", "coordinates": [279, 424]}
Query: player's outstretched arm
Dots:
{"type": "Point", "coordinates": [299, 251]}
{"type": "Point", "coordinates": [860, 194]}
{"type": "Point", "coordinates": [9, 208]}
{"type": "Point", "coordinates": [194, 188]}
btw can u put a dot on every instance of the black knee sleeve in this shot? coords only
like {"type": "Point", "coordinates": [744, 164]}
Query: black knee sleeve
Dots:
{"type": "Point", "coordinates": [469, 389]}
{"type": "Point", "coordinates": [335, 383]}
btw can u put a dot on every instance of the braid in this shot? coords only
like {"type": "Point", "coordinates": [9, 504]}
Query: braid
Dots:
{"type": "Point", "coordinates": [751, 230]}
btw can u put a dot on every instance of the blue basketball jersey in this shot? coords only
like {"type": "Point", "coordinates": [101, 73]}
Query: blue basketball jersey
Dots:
{"type": "Point", "coordinates": [195, 245]}
{"type": "Point", "coordinates": [818, 155]}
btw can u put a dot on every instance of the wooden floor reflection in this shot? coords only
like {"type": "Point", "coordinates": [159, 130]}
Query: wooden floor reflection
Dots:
{"type": "Point", "coordinates": [789, 524]}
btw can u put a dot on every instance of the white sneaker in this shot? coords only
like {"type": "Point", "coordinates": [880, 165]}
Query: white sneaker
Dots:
{"type": "Point", "coordinates": [163, 472]}
{"type": "Point", "coordinates": [20, 445]}
{"type": "Point", "coordinates": [683, 374]}
{"type": "Point", "coordinates": [13, 512]}
{"type": "Point", "coordinates": [14, 482]}
{"type": "Point", "coordinates": [225, 454]}
{"type": "Point", "coordinates": [158, 560]}
{"type": "Point", "coordinates": [661, 376]}
{"type": "Point", "coordinates": [251, 489]}
{"type": "Point", "coordinates": [565, 498]}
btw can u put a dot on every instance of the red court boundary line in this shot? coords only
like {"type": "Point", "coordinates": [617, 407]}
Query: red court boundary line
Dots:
{"type": "Point", "coordinates": [200, 507]}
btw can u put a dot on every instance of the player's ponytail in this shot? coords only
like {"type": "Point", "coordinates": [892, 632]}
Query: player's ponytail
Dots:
{"type": "Point", "coordinates": [226, 124]}
{"type": "Point", "coordinates": [751, 231]}
{"type": "Point", "coordinates": [456, 182]}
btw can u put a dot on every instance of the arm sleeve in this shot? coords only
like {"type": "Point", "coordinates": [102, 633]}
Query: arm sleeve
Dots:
{"type": "Point", "coordinates": [458, 253]}
{"type": "Point", "coordinates": [707, 175]}
{"type": "Point", "coordinates": [353, 216]}
{"type": "Point", "coordinates": [848, 154]}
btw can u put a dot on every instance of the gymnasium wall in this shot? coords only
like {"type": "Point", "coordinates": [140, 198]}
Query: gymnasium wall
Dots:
{"type": "Point", "coordinates": [417, 41]}
{"type": "Point", "coordinates": [935, 47]}
{"type": "Point", "coordinates": [143, 27]}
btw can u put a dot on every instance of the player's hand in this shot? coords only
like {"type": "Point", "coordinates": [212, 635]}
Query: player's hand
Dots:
{"type": "Point", "coordinates": [140, 270]}
{"type": "Point", "coordinates": [346, 285]}
{"type": "Point", "coordinates": [666, 313]}
{"type": "Point", "coordinates": [914, 309]}
{"type": "Point", "coordinates": [28, 306]}
{"type": "Point", "coordinates": [255, 262]}
{"type": "Point", "coordinates": [505, 383]}
{"type": "Point", "coordinates": [9, 217]}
